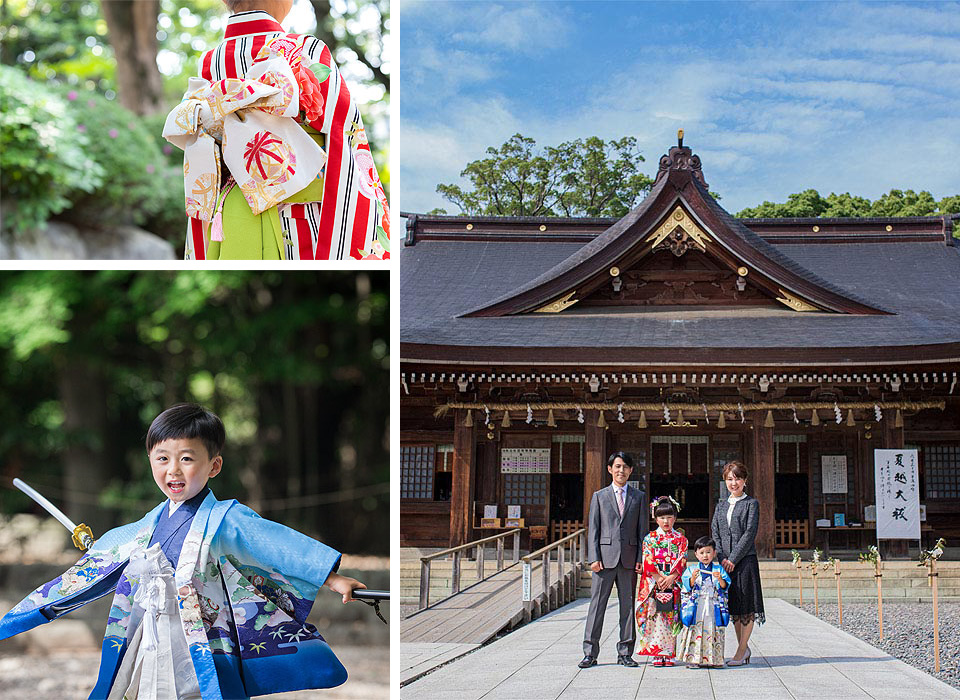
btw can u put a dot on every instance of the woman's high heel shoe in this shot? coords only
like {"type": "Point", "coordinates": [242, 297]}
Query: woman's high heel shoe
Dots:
{"type": "Point", "coordinates": [742, 662]}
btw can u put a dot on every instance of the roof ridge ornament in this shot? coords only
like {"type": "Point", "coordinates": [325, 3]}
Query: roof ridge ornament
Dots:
{"type": "Point", "coordinates": [681, 157]}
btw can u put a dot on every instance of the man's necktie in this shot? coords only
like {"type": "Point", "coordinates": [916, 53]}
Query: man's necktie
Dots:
{"type": "Point", "coordinates": [620, 501]}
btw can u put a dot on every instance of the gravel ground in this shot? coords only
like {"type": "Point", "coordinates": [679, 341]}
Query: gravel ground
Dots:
{"type": "Point", "coordinates": [907, 633]}
{"type": "Point", "coordinates": [69, 676]}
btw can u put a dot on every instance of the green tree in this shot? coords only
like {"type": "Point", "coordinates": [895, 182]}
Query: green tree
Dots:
{"type": "Point", "coordinates": [810, 203]}
{"type": "Point", "coordinates": [576, 178]}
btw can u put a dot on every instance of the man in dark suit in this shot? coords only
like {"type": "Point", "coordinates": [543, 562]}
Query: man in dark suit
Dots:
{"type": "Point", "coordinates": [614, 533]}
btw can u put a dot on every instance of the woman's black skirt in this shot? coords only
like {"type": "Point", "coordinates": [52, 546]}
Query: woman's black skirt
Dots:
{"type": "Point", "coordinates": [746, 597]}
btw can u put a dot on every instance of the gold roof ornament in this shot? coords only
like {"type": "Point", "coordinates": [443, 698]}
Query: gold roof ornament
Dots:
{"type": "Point", "coordinates": [795, 303]}
{"type": "Point", "coordinates": [679, 219]}
{"type": "Point", "coordinates": [680, 138]}
{"type": "Point", "coordinates": [564, 302]}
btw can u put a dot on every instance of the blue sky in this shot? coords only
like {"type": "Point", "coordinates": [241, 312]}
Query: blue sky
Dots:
{"type": "Point", "coordinates": [774, 97]}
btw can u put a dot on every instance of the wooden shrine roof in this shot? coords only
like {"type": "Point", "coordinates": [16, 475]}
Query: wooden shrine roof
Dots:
{"type": "Point", "coordinates": [884, 287]}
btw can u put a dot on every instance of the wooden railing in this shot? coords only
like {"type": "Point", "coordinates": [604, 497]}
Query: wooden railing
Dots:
{"type": "Point", "coordinates": [456, 552]}
{"type": "Point", "coordinates": [565, 587]}
{"type": "Point", "coordinates": [792, 534]}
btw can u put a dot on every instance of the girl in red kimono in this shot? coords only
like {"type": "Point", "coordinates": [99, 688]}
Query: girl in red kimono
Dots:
{"type": "Point", "coordinates": [658, 598]}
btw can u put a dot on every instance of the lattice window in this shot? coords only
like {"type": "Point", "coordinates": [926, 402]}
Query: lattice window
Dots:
{"type": "Point", "coordinates": [787, 454]}
{"type": "Point", "coordinates": [417, 464]}
{"type": "Point", "coordinates": [941, 464]}
{"type": "Point", "coordinates": [525, 489]}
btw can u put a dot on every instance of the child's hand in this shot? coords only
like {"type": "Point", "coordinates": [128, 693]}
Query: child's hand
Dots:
{"type": "Point", "coordinates": [344, 585]}
{"type": "Point", "coordinates": [716, 575]}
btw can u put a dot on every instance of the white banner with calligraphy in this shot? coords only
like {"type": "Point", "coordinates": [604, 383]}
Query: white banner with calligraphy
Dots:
{"type": "Point", "coordinates": [898, 494]}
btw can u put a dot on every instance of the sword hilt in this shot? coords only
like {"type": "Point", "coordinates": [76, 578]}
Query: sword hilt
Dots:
{"type": "Point", "coordinates": [83, 537]}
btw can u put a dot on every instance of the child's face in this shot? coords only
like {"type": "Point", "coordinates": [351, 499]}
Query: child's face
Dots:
{"type": "Point", "coordinates": [705, 555]}
{"type": "Point", "coordinates": [181, 467]}
{"type": "Point", "coordinates": [666, 522]}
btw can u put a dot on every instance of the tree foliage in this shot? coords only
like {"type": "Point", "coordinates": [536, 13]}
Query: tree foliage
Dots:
{"type": "Point", "coordinates": [296, 364]}
{"type": "Point", "coordinates": [583, 177]}
{"type": "Point", "coordinates": [810, 203]}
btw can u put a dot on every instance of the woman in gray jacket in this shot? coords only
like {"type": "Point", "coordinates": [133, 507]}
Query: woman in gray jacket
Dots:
{"type": "Point", "coordinates": [734, 530]}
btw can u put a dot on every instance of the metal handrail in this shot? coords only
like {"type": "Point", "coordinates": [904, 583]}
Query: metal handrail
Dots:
{"type": "Point", "coordinates": [577, 541]}
{"type": "Point", "coordinates": [455, 551]}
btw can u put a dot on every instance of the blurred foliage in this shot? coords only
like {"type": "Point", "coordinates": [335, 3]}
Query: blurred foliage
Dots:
{"type": "Point", "coordinates": [44, 154]}
{"type": "Point", "coordinates": [120, 143]}
{"type": "Point", "coordinates": [295, 363]}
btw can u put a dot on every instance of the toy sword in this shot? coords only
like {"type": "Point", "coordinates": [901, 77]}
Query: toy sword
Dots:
{"type": "Point", "coordinates": [82, 534]}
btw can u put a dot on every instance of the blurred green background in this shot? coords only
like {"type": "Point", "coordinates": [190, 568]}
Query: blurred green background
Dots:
{"type": "Point", "coordinates": [295, 363]}
{"type": "Point", "coordinates": [85, 86]}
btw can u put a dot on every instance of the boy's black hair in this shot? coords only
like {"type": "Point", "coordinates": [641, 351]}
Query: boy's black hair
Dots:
{"type": "Point", "coordinates": [186, 421]}
{"type": "Point", "coordinates": [704, 541]}
{"type": "Point", "coordinates": [664, 507]}
{"type": "Point", "coordinates": [625, 456]}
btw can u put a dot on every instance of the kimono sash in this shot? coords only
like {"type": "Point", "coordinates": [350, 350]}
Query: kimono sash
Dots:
{"type": "Point", "coordinates": [245, 586]}
{"type": "Point", "coordinates": [269, 156]}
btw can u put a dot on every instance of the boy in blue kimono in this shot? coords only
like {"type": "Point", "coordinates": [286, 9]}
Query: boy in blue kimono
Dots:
{"type": "Point", "coordinates": [211, 600]}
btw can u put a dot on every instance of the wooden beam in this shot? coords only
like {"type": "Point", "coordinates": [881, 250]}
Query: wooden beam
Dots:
{"type": "Point", "coordinates": [595, 463]}
{"type": "Point", "coordinates": [762, 486]}
{"type": "Point", "coordinates": [464, 464]}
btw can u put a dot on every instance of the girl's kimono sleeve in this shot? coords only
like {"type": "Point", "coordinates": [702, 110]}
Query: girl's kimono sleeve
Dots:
{"type": "Point", "coordinates": [354, 216]}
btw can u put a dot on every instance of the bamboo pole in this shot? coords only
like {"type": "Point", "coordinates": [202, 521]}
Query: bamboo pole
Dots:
{"type": "Point", "coordinates": [836, 572]}
{"type": "Point", "coordinates": [800, 581]}
{"type": "Point", "coordinates": [879, 577]}
{"type": "Point", "coordinates": [936, 617]}
{"type": "Point", "coordinates": [816, 594]}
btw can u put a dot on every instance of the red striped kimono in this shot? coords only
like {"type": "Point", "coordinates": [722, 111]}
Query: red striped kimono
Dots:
{"type": "Point", "coordinates": [352, 220]}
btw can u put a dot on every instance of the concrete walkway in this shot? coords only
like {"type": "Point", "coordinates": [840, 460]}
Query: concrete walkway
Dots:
{"type": "Point", "coordinates": [795, 656]}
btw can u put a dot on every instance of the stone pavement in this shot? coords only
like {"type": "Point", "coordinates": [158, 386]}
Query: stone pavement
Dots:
{"type": "Point", "coordinates": [795, 656]}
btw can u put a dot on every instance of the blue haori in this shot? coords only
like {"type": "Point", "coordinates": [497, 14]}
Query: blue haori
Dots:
{"type": "Point", "coordinates": [245, 586]}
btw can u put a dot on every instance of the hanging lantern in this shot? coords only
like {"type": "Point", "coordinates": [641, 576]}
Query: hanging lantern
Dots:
{"type": "Point", "coordinates": [898, 421]}
{"type": "Point", "coordinates": [642, 423]}
{"type": "Point", "coordinates": [850, 421]}
{"type": "Point", "coordinates": [468, 421]}
{"type": "Point", "coordinates": [601, 421]}
{"type": "Point", "coordinates": [815, 418]}
{"type": "Point", "coordinates": [768, 421]}
{"type": "Point", "coordinates": [550, 420]}
{"type": "Point", "coordinates": [505, 423]}
{"type": "Point", "coordinates": [722, 420]}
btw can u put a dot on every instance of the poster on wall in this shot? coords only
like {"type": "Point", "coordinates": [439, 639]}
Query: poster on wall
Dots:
{"type": "Point", "coordinates": [525, 460]}
{"type": "Point", "coordinates": [833, 469]}
{"type": "Point", "coordinates": [898, 494]}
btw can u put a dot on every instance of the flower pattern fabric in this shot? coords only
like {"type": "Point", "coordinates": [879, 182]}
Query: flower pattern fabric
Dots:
{"type": "Point", "coordinates": [663, 552]}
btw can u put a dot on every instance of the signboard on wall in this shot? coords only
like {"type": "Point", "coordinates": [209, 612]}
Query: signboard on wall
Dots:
{"type": "Point", "coordinates": [525, 460]}
{"type": "Point", "coordinates": [833, 470]}
{"type": "Point", "coordinates": [897, 484]}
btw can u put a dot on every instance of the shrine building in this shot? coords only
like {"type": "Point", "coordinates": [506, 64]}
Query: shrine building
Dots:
{"type": "Point", "coordinates": [532, 348]}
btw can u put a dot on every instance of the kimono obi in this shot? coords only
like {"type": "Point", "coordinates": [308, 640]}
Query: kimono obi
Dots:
{"type": "Point", "coordinates": [249, 122]}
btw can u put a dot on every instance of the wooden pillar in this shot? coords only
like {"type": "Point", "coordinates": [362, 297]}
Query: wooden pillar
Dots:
{"type": "Point", "coordinates": [464, 465]}
{"type": "Point", "coordinates": [761, 485]}
{"type": "Point", "coordinates": [892, 440]}
{"type": "Point", "coordinates": [595, 475]}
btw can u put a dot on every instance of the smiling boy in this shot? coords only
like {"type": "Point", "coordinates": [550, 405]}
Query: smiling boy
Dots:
{"type": "Point", "coordinates": [211, 599]}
